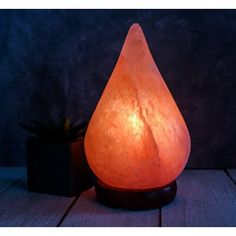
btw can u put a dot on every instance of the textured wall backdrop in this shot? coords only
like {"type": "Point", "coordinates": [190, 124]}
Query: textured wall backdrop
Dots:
{"type": "Point", "coordinates": [57, 62]}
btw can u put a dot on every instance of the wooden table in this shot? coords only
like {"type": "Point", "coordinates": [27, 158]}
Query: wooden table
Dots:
{"type": "Point", "coordinates": [204, 198]}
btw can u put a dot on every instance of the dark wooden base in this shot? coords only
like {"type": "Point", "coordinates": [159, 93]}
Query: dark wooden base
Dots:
{"type": "Point", "coordinates": [135, 199]}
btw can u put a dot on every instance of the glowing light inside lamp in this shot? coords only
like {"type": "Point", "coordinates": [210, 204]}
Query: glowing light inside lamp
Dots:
{"type": "Point", "coordinates": [135, 124]}
{"type": "Point", "coordinates": [137, 137]}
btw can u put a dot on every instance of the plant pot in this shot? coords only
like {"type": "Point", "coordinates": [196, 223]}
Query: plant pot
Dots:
{"type": "Point", "coordinates": [58, 168]}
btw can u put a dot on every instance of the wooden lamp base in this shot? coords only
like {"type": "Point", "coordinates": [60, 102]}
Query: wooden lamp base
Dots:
{"type": "Point", "coordinates": [135, 199]}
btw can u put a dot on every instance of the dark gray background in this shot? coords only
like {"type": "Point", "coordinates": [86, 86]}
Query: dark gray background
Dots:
{"type": "Point", "coordinates": [57, 62]}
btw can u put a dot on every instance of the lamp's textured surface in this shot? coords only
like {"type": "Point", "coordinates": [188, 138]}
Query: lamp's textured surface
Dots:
{"type": "Point", "coordinates": [137, 137]}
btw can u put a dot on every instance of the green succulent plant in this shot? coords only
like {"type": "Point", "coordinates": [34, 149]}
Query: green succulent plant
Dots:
{"type": "Point", "coordinates": [62, 131]}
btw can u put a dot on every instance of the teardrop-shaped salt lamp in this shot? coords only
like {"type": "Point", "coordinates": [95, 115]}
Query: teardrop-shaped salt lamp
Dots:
{"type": "Point", "coordinates": [137, 142]}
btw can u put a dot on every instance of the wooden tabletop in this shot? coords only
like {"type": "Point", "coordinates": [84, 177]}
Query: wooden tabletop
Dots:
{"type": "Point", "coordinates": [204, 198]}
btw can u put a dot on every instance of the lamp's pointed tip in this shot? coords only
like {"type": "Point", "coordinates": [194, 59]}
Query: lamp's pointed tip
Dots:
{"type": "Point", "coordinates": [135, 27]}
{"type": "Point", "coordinates": [135, 32]}
{"type": "Point", "coordinates": [135, 45]}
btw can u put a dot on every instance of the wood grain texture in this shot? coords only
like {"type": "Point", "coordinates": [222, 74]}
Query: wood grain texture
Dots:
{"type": "Point", "coordinates": [232, 173]}
{"type": "Point", "coordinates": [204, 198]}
{"type": "Point", "coordinates": [18, 207]}
{"type": "Point", "coordinates": [88, 212]}
{"type": "Point", "coordinates": [9, 175]}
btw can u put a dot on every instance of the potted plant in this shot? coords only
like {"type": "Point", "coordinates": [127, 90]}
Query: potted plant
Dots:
{"type": "Point", "coordinates": [56, 162]}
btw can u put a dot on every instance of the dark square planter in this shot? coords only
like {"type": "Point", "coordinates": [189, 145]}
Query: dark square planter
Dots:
{"type": "Point", "coordinates": [58, 168]}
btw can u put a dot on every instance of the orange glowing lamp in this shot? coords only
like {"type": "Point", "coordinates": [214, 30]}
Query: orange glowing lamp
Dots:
{"type": "Point", "coordinates": [137, 142]}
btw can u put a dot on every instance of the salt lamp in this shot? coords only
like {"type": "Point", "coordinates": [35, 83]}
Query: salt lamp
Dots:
{"type": "Point", "coordinates": [137, 142]}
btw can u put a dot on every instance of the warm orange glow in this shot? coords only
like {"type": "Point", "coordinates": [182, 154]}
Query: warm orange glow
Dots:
{"type": "Point", "coordinates": [137, 137]}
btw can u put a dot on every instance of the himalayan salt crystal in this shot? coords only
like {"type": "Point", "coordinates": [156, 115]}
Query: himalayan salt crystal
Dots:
{"type": "Point", "coordinates": [137, 137]}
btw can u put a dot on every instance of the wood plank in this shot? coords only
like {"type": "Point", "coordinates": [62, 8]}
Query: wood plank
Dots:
{"type": "Point", "coordinates": [9, 175]}
{"type": "Point", "coordinates": [18, 207]}
{"type": "Point", "coordinates": [232, 173]}
{"type": "Point", "coordinates": [88, 212]}
{"type": "Point", "coordinates": [204, 198]}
